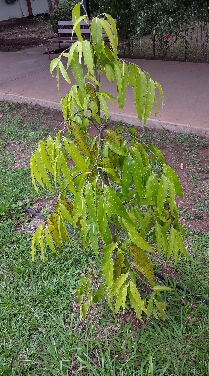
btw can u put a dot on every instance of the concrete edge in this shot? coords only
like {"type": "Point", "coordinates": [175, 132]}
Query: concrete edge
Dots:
{"type": "Point", "coordinates": [21, 99]}
{"type": "Point", "coordinates": [129, 119]}
{"type": "Point", "coordinates": [158, 124]}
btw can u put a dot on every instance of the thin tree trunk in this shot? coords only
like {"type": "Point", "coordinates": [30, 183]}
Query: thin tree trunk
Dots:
{"type": "Point", "coordinates": [52, 5]}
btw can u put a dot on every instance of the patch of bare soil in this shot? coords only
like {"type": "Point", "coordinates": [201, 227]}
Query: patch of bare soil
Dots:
{"type": "Point", "coordinates": [21, 153]}
{"type": "Point", "coordinates": [33, 221]}
{"type": "Point", "coordinates": [24, 33]}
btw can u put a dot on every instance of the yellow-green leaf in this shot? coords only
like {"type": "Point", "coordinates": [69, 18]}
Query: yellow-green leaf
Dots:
{"type": "Point", "coordinates": [109, 72]}
{"type": "Point", "coordinates": [127, 176]}
{"type": "Point", "coordinates": [136, 238]}
{"type": "Point", "coordinates": [102, 221]}
{"type": "Point", "coordinates": [121, 298]}
{"type": "Point", "coordinates": [172, 175]}
{"type": "Point", "coordinates": [162, 195]}
{"type": "Point", "coordinates": [142, 263]}
{"type": "Point", "coordinates": [49, 239]}
{"type": "Point", "coordinates": [64, 72]}
{"type": "Point", "coordinates": [96, 34]}
{"type": "Point", "coordinates": [54, 63]}
{"type": "Point", "coordinates": [88, 56]}
{"type": "Point", "coordinates": [150, 98]}
{"type": "Point", "coordinates": [75, 155]}
{"type": "Point", "coordinates": [118, 284]}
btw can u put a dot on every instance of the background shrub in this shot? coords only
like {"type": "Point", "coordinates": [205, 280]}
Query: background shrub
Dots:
{"type": "Point", "coordinates": [62, 13]}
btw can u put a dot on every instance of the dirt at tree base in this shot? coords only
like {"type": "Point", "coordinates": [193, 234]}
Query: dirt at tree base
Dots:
{"type": "Point", "coordinates": [21, 33]}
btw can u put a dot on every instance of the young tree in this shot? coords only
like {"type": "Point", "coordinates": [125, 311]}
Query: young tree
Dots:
{"type": "Point", "coordinates": [119, 195]}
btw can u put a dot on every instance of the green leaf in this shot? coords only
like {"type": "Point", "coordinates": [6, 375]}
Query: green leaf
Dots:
{"type": "Point", "coordinates": [77, 71]}
{"type": "Point", "coordinates": [90, 201]}
{"type": "Point", "coordinates": [49, 239]}
{"type": "Point", "coordinates": [172, 203]}
{"type": "Point", "coordinates": [118, 284]}
{"type": "Point", "coordinates": [107, 264]}
{"type": "Point", "coordinates": [173, 177]}
{"type": "Point", "coordinates": [152, 190]}
{"type": "Point", "coordinates": [137, 178]}
{"type": "Point", "coordinates": [117, 149]}
{"type": "Point", "coordinates": [172, 245]}
{"type": "Point", "coordinates": [70, 54]}
{"type": "Point", "coordinates": [136, 301]}
{"type": "Point", "coordinates": [149, 99]}
{"type": "Point", "coordinates": [118, 264]}
{"type": "Point", "coordinates": [41, 168]}
{"type": "Point", "coordinates": [75, 155]}
{"type": "Point", "coordinates": [88, 56]}
{"type": "Point", "coordinates": [83, 284]}
{"type": "Point", "coordinates": [161, 238]}
{"type": "Point", "coordinates": [137, 157]}
{"type": "Point", "coordinates": [157, 154]}
{"type": "Point", "coordinates": [161, 197]}
{"type": "Point", "coordinates": [136, 238]}
{"type": "Point", "coordinates": [44, 156]}
{"type": "Point", "coordinates": [113, 174]}
{"type": "Point", "coordinates": [109, 72]}
{"type": "Point", "coordinates": [115, 205]}
{"type": "Point", "coordinates": [103, 104]}
{"type": "Point", "coordinates": [62, 229]}
{"type": "Point", "coordinates": [122, 94]}
{"type": "Point", "coordinates": [127, 176]}
{"type": "Point", "coordinates": [96, 34]}
{"type": "Point", "coordinates": [77, 19]}
{"type": "Point", "coordinates": [79, 203]}
{"type": "Point", "coordinates": [102, 221]}
{"type": "Point", "coordinates": [160, 91]}
{"type": "Point", "coordinates": [67, 174]}
{"type": "Point", "coordinates": [98, 294]}
{"type": "Point", "coordinates": [118, 75]}
{"type": "Point", "coordinates": [121, 298]}
{"type": "Point", "coordinates": [65, 213]}
{"type": "Point", "coordinates": [35, 175]}
{"type": "Point", "coordinates": [114, 29]}
{"type": "Point", "coordinates": [137, 79]}
{"type": "Point", "coordinates": [181, 245]}
{"type": "Point", "coordinates": [85, 308]}
{"type": "Point", "coordinates": [147, 222]}
{"type": "Point", "coordinates": [142, 263]}
{"type": "Point", "coordinates": [93, 237]}
{"type": "Point", "coordinates": [108, 31]}
{"type": "Point", "coordinates": [54, 63]}
{"type": "Point", "coordinates": [161, 306]}
{"type": "Point", "coordinates": [53, 227]}
{"type": "Point", "coordinates": [38, 238]}
{"type": "Point", "coordinates": [64, 72]}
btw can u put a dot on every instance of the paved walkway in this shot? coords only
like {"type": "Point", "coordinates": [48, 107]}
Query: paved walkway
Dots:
{"type": "Point", "coordinates": [24, 76]}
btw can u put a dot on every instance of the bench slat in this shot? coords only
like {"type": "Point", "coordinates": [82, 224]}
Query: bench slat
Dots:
{"type": "Point", "coordinates": [69, 31]}
{"type": "Point", "coordinates": [70, 23]}
{"type": "Point", "coordinates": [85, 31]}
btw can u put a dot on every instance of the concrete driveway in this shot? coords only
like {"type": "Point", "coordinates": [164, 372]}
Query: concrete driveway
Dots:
{"type": "Point", "coordinates": [24, 76]}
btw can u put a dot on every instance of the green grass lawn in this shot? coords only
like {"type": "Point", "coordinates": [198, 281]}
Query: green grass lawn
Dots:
{"type": "Point", "coordinates": [40, 328]}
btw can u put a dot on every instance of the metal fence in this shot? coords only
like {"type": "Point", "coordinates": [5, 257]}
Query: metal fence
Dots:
{"type": "Point", "coordinates": [189, 43]}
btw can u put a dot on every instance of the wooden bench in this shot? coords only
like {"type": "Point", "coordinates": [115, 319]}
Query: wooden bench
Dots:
{"type": "Point", "coordinates": [65, 30]}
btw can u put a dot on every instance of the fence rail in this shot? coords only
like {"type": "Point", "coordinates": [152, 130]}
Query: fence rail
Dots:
{"type": "Point", "coordinates": [189, 43]}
